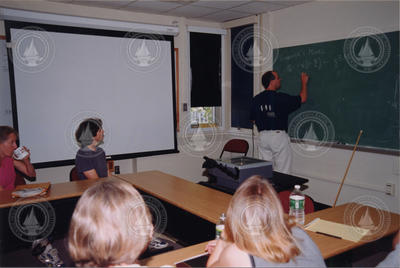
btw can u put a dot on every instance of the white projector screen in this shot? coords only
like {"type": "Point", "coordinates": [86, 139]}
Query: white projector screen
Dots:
{"type": "Point", "coordinates": [61, 75]}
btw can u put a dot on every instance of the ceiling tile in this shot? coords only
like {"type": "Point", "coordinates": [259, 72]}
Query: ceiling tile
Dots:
{"type": "Point", "coordinates": [96, 3]}
{"type": "Point", "coordinates": [206, 10]}
{"type": "Point", "coordinates": [220, 4]}
{"type": "Point", "coordinates": [288, 2]}
{"type": "Point", "coordinates": [225, 15]}
{"type": "Point", "coordinates": [183, 2]}
{"type": "Point", "coordinates": [152, 6]}
{"type": "Point", "coordinates": [258, 7]}
{"type": "Point", "coordinates": [61, 1]}
{"type": "Point", "coordinates": [191, 11]}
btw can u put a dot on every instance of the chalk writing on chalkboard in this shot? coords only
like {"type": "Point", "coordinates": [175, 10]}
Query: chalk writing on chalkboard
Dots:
{"type": "Point", "coordinates": [350, 98]}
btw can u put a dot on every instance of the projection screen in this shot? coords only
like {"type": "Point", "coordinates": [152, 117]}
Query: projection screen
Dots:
{"type": "Point", "coordinates": [61, 75]}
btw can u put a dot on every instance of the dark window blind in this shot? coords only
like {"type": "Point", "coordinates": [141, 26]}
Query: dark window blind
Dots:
{"type": "Point", "coordinates": [205, 64]}
{"type": "Point", "coordinates": [242, 84]}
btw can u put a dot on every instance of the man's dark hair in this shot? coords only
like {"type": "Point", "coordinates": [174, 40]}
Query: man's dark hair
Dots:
{"type": "Point", "coordinates": [267, 78]}
{"type": "Point", "coordinates": [91, 125]}
{"type": "Point", "coordinates": [5, 131]}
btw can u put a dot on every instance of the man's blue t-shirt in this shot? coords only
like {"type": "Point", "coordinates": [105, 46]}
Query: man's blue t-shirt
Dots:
{"type": "Point", "coordinates": [270, 109]}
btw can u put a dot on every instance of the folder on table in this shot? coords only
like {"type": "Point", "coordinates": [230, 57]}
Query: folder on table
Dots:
{"type": "Point", "coordinates": [343, 231]}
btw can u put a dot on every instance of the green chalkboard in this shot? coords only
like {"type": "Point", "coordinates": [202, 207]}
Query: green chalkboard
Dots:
{"type": "Point", "coordinates": [353, 82]}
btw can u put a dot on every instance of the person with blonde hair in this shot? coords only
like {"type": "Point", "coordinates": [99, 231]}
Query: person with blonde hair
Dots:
{"type": "Point", "coordinates": [111, 226]}
{"type": "Point", "coordinates": [258, 234]}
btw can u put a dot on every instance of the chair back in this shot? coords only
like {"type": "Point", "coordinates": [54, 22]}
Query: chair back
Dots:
{"type": "Point", "coordinates": [284, 197]}
{"type": "Point", "coordinates": [73, 175]}
{"type": "Point", "coordinates": [236, 146]}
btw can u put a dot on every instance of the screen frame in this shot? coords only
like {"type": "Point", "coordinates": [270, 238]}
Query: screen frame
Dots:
{"type": "Point", "coordinates": [12, 24]}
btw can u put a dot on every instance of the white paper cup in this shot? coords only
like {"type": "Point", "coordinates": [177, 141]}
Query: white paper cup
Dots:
{"type": "Point", "coordinates": [20, 153]}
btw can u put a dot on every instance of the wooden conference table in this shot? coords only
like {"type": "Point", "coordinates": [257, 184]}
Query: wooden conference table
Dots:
{"type": "Point", "coordinates": [328, 246]}
{"type": "Point", "coordinates": [57, 191]}
{"type": "Point", "coordinates": [202, 202]}
{"type": "Point", "coordinates": [209, 204]}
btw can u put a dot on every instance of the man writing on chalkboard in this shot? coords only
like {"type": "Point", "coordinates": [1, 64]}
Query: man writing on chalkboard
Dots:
{"type": "Point", "coordinates": [269, 111]}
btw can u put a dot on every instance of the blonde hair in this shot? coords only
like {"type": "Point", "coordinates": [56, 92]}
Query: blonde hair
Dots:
{"type": "Point", "coordinates": [111, 225]}
{"type": "Point", "coordinates": [257, 224]}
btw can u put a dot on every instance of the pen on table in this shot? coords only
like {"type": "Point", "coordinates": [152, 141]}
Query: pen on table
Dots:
{"type": "Point", "coordinates": [334, 236]}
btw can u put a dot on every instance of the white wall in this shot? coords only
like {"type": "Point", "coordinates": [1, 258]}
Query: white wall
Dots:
{"type": "Point", "coordinates": [331, 20]}
{"type": "Point", "coordinates": [325, 21]}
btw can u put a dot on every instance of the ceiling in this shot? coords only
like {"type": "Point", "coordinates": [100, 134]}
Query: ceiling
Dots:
{"type": "Point", "coordinates": [216, 11]}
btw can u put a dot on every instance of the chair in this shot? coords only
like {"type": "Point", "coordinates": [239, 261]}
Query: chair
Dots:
{"type": "Point", "coordinates": [73, 175]}
{"type": "Point", "coordinates": [236, 146]}
{"type": "Point", "coordinates": [284, 197]}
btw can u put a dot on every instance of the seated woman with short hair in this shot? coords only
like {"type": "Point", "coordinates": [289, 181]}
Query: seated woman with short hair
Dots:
{"type": "Point", "coordinates": [90, 159]}
{"type": "Point", "coordinates": [111, 226]}
{"type": "Point", "coordinates": [258, 234]}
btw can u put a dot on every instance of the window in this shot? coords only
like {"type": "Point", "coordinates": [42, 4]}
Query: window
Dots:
{"type": "Point", "coordinates": [206, 79]}
{"type": "Point", "coordinates": [205, 117]}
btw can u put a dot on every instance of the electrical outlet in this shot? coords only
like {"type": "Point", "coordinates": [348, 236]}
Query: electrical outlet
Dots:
{"type": "Point", "coordinates": [389, 190]}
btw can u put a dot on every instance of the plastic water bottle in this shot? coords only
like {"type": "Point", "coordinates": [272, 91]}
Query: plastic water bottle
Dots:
{"type": "Point", "coordinates": [296, 205]}
{"type": "Point", "coordinates": [220, 226]}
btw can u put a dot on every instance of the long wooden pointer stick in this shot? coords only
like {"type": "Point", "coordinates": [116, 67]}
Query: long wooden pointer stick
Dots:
{"type": "Point", "coordinates": [348, 167]}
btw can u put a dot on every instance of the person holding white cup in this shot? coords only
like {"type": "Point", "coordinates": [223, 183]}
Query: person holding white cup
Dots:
{"type": "Point", "coordinates": [10, 158]}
